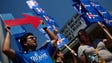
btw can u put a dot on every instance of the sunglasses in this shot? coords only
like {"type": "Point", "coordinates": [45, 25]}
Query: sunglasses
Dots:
{"type": "Point", "coordinates": [32, 38]}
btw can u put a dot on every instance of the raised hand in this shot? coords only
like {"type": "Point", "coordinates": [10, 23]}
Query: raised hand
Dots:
{"type": "Point", "coordinates": [7, 28]}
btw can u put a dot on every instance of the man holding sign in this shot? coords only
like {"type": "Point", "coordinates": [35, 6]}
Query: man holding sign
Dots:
{"type": "Point", "coordinates": [29, 44]}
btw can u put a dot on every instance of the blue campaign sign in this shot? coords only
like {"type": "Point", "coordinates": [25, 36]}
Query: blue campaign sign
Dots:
{"type": "Point", "coordinates": [61, 40]}
{"type": "Point", "coordinates": [49, 21]}
{"type": "Point", "coordinates": [87, 5]}
{"type": "Point", "coordinates": [94, 17]}
{"type": "Point", "coordinates": [17, 31]}
{"type": "Point", "coordinates": [39, 11]}
{"type": "Point", "coordinates": [92, 12]}
{"type": "Point", "coordinates": [103, 13]}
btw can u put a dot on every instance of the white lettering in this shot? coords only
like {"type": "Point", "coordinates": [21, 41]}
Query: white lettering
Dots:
{"type": "Point", "coordinates": [37, 57]}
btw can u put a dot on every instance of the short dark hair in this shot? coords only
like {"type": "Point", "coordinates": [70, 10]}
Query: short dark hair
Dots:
{"type": "Point", "coordinates": [24, 38]}
{"type": "Point", "coordinates": [83, 31]}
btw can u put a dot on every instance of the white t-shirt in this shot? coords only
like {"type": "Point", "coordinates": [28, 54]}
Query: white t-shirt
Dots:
{"type": "Point", "coordinates": [88, 51]}
{"type": "Point", "coordinates": [102, 51]}
{"type": "Point", "coordinates": [85, 49]}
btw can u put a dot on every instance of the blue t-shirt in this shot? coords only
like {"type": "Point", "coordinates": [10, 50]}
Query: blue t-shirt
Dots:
{"type": "Point", "coordinates": [42, 55]}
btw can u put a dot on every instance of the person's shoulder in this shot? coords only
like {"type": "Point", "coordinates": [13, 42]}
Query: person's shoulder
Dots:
{"type": "Point", "coordinates": [83, 46]}
{"type": "Point", "coordinates": [101, 46]}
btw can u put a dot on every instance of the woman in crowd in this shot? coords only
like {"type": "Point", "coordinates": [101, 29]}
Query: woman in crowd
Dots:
{"type": "Point", "coordinates": [88, 52]}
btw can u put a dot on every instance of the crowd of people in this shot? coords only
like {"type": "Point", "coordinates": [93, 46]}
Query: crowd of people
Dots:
{"type": "Point", "coordinates": [88, 52]}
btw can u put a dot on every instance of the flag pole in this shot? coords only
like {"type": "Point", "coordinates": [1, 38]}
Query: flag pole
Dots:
{"type": "Point", "coordinates": [70, 49]}
{"type": "Point", "coordinates": [105, 30]}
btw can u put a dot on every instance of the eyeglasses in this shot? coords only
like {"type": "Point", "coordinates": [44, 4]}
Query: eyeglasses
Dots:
{"type": "Point", "coordinates": [32, 38]}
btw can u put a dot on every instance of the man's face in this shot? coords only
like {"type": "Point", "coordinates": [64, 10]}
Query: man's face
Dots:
{"type": "Point", "coordinates": [31, 41]}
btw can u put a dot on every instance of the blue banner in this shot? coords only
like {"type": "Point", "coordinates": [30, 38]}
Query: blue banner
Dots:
{"type": "Point", "coordinates": [103, 13]}
{"type": "Point", "coordinates": [92, 12]}
{"type": "Point", "coordinates": [50, 22]}
{"type": "Point", "coordinates": [39, 11]}
{"type": "Point", "coordinates": [61, 38]}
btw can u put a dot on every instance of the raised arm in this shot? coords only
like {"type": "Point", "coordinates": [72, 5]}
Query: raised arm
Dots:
{"type": "Point", "coordinates": [52, 36]}
{"type": "Point", "coordinates": [6, 45]}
